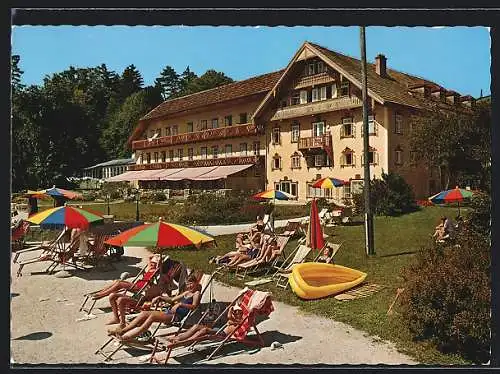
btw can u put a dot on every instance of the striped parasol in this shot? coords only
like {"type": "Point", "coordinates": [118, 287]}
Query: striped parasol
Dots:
{"type": "Point", "coordinates": [328, 183]}
{"type": "Point", "coordinates": [69, 216]}
{"type": "Point", "coordinates": [450, 196]}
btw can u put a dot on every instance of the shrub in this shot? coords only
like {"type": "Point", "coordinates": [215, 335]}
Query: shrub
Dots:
{"type": "Point", "coordinates": [390, 196]}
{"type": "Point", "coordinates": [447, 296]}
{"type": "Point", "coordinates": [479, 217]}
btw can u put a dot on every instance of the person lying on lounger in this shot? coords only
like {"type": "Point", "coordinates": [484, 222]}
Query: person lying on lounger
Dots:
{"type": "Point", "coordinates": [241, 250]}
{"type": "Point", "coordinates": [243, 256]}
{"type": "Point", "coordinates": [234, 318]}
{"type": "Point", "coordinates": [180, 306]}
{"type": "Point", "coordinates": [269, 250]}
{"type": "Point", "coordinates": [120, 302]}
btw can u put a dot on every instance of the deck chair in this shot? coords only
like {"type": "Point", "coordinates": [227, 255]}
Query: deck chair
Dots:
{"type": "Point", "coordinates": [18, 234]}
{"type": "Point", "coordinates": [282, 274]}
{"type": "Point", "coordinates": [280, 265]}
{"type": "Point", "coordinates": [292, 228]}
{"type": "Point", "coordinates": [253, 303]}
{"type": "Point", "coordinates": [268, 225]}
{"type": "Point", "coordinates": [60, 253]}
{"type": "Point", "coordinates": [97, 251]}
{"type": "Point", "coordinates": [142, 280]}
{"type": "Point", "coordinates": [253, 265]}
{"type": "Point", "coordinates": [334, 248]}
{"type": "Point", "coordinates": [47, 247]}
{"type": "Point", "coordinates": [205, 282]}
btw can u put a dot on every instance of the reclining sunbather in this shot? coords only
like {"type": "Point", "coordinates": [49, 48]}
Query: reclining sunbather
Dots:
{"type": "Point", "coordinates": [250, 253]}
{"type": "Point", "coordinates": [120, 302]}
{"type": "Point", "coordinates": [234, 318]}
{"type": "Point", "coordinates": [180, 306]}
{"type": "Point", "coordinates": [269, 250]}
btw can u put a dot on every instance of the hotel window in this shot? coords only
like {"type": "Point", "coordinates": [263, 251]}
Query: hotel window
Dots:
{"type": "Point", "coordinates": [347, 130]}
{"type": "Point", "coordinates": [190, 127]}
{"type": "Point", "coordinates": [190, 154]}
{"type": "Point", "coordinates": [348, 158]}
{"type": "Point", "coordinates": [141, 158]}
{"type": "Point", "coordinates": [243, 149]}
{"type": "Point", "coordinates": [372, 157]}
{"type": "Point", "coordinates": [215, 123]}
{"type": "Point", "coordinates": [163, 156]}
{"type": "Point", "coordinates": [156, 157]}
{"type": "Point", "coordinates": [295, 98]}
{"type": "Point", "coordinates": [347, 191]}
{"type": "Point", "coordinates": [287, 186]}
{"type": "Point", "coordinates": [167, 131]}
{"type": "Point", "coordinates": [203, 153]}
{"type": "Point", "coordinates": [229, 150]}
{"type": "Point", "coordinates": [344, 89]}
{"type": "Point", "coordinates": [276, 135]}
{"type": "Point", "coordinates": [320, 67]}
{"type": "Point", "coordinates": [398, 123]}
{"type": "Point", "coordinates": [334, 91]}
{"type": "Point", "coordinates": [322, 93]}
{"type": "Point", "coordinates": [228, 120]}
{"type": "Point", "coordinates": [180, 154]}
{"type": "Point", "coordinates": [243, 118]}
{"type": "Point", "coordinates": [315, 94]}
{"type": "Point", "coordinates": [276, 164]}
{"type": "Point", "coordinates": [171, 155]}
{"type": "Point", "coordinates": [148, 158]}
{"type": "Point", "coordinates": [256, 148]}
{"type": "Point", "coordinates": [372, 126]}
{"type": "Point", "coordinates": [318, 128]}
{"type": "Point", "coordinates": [319, 160]}
{"type": "Point", "coordinates": [295, 133]}
{"type": "Point", "coordinates": [203, 124]}
{"type": "Point", "coordinates": [295, 161]}
{"type": "Point", "coordinates": [399, 156]}
{"type": "Point", "coordinates": [303, 96]}
{"type": "Point", "coordinates": [215, 151]}
{"type": "Point", "coordinates": [311, 68]}
{"type": "Point", "coordinates": [175, 130]}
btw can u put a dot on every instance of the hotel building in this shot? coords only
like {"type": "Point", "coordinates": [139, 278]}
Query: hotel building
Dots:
{"type": "Point", "coordinates": [288, 128]}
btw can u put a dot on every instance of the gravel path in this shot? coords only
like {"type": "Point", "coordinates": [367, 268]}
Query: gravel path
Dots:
{"type": "Point", "coordinates": [44, 310]}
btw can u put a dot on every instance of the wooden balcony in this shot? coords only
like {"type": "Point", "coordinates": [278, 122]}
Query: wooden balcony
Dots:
{"type": "Point", "coordinates": [314, 142]}
{"type": "Point", "coordinates": [242, 160]}
{"type": "Point", "coordinates": [317, 107]}
{"type": "Point", "coordinates": [197, 136]}
{"type": "Point", "coordinates": [313, 80]}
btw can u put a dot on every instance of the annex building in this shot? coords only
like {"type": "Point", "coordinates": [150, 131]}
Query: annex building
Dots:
{"type": "Point", "coordinates": [288, 128]}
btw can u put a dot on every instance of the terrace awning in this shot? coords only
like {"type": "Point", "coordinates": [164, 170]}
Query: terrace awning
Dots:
{"type": "Point", "coordinates": [223, 172]}
{"type": "Point", "coordinates": [190, 173]}
{"type": "Point", "coordinates": [135, 175]}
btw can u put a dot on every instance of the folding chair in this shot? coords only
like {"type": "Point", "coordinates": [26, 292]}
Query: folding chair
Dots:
{"type": "Point", "coordinates": [205, 282]}
{"type": "Point", "coordinates": [18, 234]}
{"type": "Point", "coordinates": [97, 251]}
{"type": "Point", "coordinates": [268, 225]}
{"type": "Point", "coordinates": [284, 272]}
{"type": "Point", "coordinates": [253, 265]}
{"type": "Point", "coordinates": [277, 265]}
{"type": "Point", "coordinates": [292, 228]}
{"type": "Point", "coordinates": [333, 246]}
{"type": "Point", "coordinates": [46, 247]}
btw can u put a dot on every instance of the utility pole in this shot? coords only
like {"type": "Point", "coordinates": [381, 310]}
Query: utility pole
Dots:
{"type": "Point", "coordinates": [369, 242]}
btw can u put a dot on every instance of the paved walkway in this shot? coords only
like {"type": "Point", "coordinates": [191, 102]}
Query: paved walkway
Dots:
{"type": "Point", "coordinates": [44, 327]}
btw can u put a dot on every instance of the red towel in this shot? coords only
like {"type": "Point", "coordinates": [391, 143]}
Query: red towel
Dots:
{"type": "Point", "coordinates": [265, 309]}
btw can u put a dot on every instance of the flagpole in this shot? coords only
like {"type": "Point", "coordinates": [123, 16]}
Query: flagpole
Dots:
{"type": "Point", "coordinates": [369, 242]}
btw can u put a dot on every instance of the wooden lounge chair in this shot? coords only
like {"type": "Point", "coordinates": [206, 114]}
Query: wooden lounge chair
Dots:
{"type": "Point", "coordinates": [253, 303]}
{"type": "Point", "coordinates": [253, 265]}
{"type": "Point", "coordinates": [206, 281]}
{"type": "Point", "coordinates": [292, 228]}
{"type": "Point", "coordinates": [97, 251]}
{"type": "Point", "coordinates": [334, 248]}
{"type": "Point", "coordinates": [47, 247]}
{"type": "Point", "coordinates": [282, 273]}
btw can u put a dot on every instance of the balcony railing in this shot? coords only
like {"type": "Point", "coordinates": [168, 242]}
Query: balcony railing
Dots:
{"type": "Point", "coordinates": [192, 137]}
{"type": "Point", "coordinates": [242, 160]}
{"type": "Point", "coordinates": [315, 142]}
{"type": "Point", "coordinates": [313, 80]}
{"type": "Point", "coordinates": [317, 107]}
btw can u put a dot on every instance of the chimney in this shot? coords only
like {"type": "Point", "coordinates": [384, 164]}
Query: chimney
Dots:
{"type": "Point", "coordinates": [381, 65]}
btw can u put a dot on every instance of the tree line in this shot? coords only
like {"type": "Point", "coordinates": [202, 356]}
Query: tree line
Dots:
{"type": "Point", "coordinates": [82, 116]}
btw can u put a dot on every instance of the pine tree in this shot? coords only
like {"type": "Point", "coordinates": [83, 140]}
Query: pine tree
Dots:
{"type": "Point", "coordinates": [131, 81]}
{"type": "Point", "coordinates": [168, 82]}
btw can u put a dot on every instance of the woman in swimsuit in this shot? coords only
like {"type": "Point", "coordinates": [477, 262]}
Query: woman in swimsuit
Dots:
{"type": "Point", "coordinates": [180, 306]}
{"type": "Point", "coordinates": [234, 318]}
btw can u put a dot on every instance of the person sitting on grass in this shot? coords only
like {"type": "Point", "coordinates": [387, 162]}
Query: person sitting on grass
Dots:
{"type": "Point", "coordinates": [439, 230]}
{"type": "Point", "coordinates": [234, 318]}
{"type": "Point", "coordinates": [120, 303]}
{"type": "Point", "coordinates": [179, 308]}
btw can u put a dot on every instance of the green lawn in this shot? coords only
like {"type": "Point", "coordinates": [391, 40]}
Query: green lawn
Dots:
{"type": "Point", "coordinates": [396, 241]}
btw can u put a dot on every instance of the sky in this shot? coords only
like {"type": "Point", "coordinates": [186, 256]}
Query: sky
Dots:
{"type": "Point", "coordinates": [458, 58]}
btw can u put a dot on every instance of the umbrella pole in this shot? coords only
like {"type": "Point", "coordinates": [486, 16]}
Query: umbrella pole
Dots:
{"type": "Point", "coordinates": [458, 202]}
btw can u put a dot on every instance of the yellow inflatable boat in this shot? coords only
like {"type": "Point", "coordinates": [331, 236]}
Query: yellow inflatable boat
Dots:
{"type": "Point", "coordinates": [313, 280]}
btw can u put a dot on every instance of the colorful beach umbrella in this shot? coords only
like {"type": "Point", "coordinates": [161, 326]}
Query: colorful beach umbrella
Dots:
{"type": "Point", "coordinates": [328, 183]}
{"type": "Point", "coordinates": [161, 235]}
{"type": "Point", "coordinates": [450, 196]}
{"type": "Point", "coordinates": [55, 192]}
{"type": "Point", "coordinates": [69, 216]}
{"type": "Point", "coordinates": [314, 238]}
{"type": "Point", "coordinates": [273, 195]}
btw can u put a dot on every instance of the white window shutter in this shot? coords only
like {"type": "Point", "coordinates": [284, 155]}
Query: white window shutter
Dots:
{"type": "Point", "coordinates": [353, 130]}
{"type": "Point", "coordinates": [334, 91]}
{"type": "Point", "coordinates": [322, 93]}
{"type": "Point", "coordinates": [303, 96]}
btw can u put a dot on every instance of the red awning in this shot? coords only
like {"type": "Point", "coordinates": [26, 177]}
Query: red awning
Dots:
{"type": "Point", "coordinates": [124, 176]}
{"type": "Point", "coordinates": [223, 172]}
{"type": "Point", "coordinates": [167, 172]}
{"type": "Point", "coordinates": [189, 173]}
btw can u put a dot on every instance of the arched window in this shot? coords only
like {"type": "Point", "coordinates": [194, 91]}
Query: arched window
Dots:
{"type": "Point", "coordinates": [276, 162]}
{"type": "Point", "coordinates": [347, 158]}
{"type": "Point", "coordinates": [372, 157]}
{"type": "Point", "coordinates": [295, 161]}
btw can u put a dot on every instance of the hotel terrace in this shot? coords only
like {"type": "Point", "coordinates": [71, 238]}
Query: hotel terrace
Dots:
{"type": "Point", "coordinates": [288, 128]}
